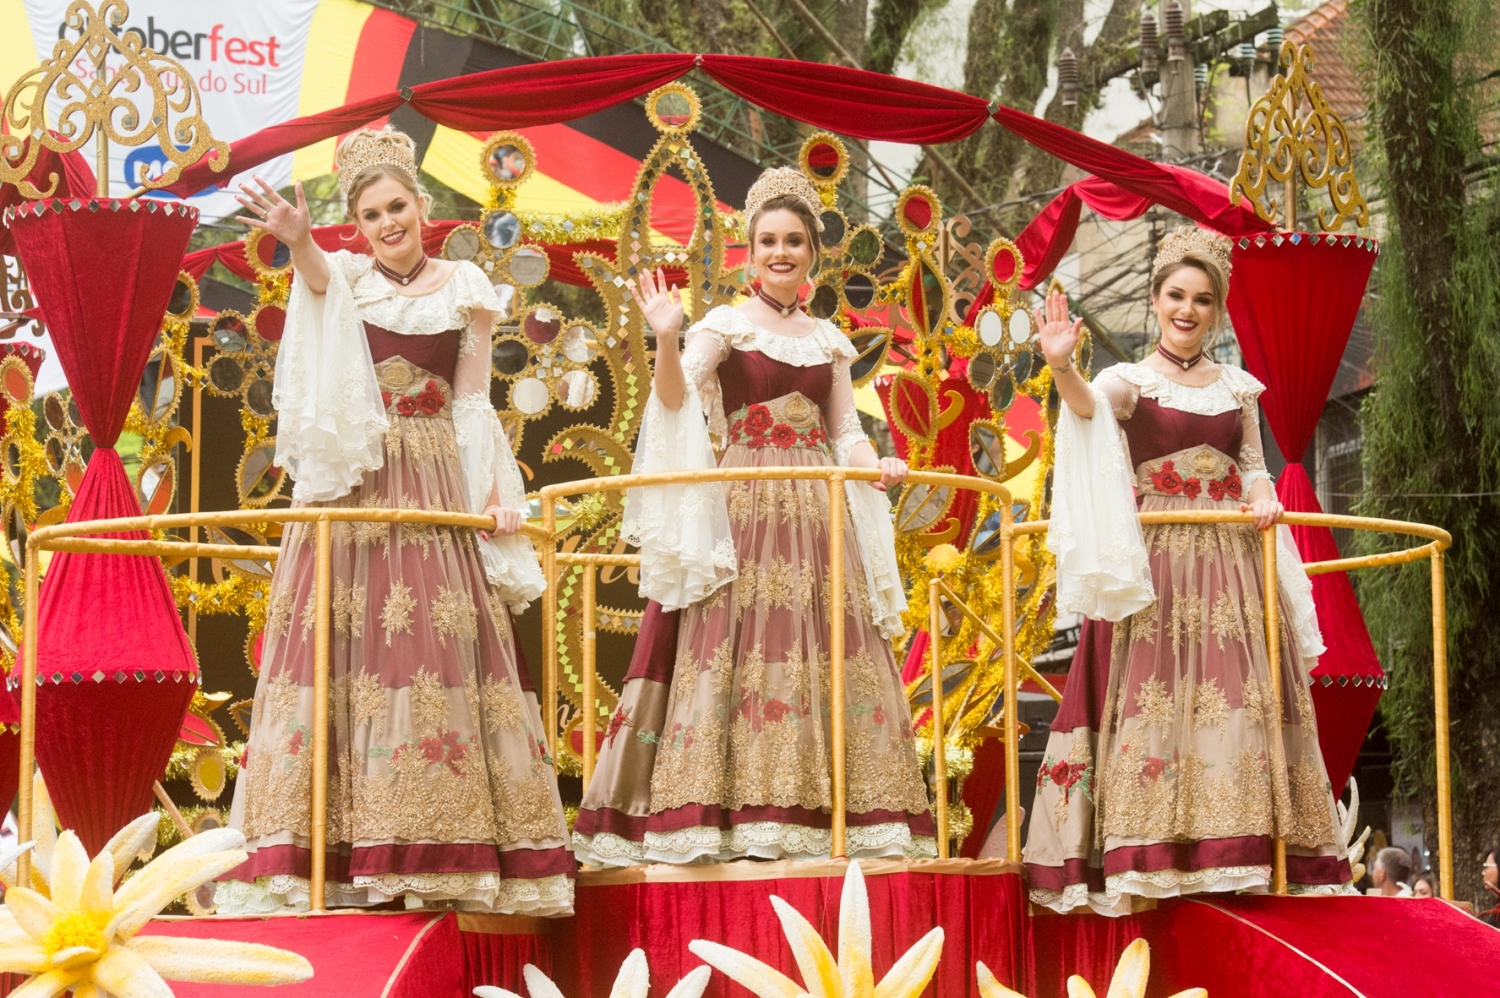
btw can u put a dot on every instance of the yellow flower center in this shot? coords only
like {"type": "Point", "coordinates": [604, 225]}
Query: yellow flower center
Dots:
{"type": "Point", "coordinates": [78, 928]}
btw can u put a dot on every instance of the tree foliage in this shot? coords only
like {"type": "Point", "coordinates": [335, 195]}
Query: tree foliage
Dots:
{"type": "Point", "coordinates": [1432, 423]}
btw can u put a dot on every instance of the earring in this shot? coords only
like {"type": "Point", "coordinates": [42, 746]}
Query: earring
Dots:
{"type": "Point", "coordinates": [750, 274]}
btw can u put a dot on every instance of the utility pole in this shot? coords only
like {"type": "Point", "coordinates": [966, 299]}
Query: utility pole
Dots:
{"type": "Point", "coordinates": [1179, 90]}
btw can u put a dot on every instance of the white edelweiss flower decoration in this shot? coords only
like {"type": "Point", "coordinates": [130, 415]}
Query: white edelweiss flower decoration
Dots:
{"type": "Point", "coordinates": [136, 840]}
{"type": "Point", "coordinates": [851, 976]}
{"type": "Point", "coordinates": [72, 930]}
{"type": "Point", "coordinates": [1129, 980]}
{"type": "Point", "coordinates": [633, 981]}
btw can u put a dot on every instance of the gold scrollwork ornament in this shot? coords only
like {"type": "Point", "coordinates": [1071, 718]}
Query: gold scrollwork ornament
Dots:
{"type": "Point", "coordinates": [101, 109]}
{"type": "Point", "coordinates": [1281, 145]}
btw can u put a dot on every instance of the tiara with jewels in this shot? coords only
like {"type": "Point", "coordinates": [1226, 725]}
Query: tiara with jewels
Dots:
{"type": "Point", "coordinates": [781, 182]}
{"type": "Point", "coordinates": [367, 148]}
{"type": "Point", "coordinates": [1190, 239]}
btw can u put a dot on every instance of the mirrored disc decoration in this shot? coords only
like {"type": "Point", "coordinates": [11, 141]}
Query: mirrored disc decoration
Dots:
{"type": "Point", "coordinates": [259, 479]}
{"type": "Point", "coordinates": [528, 266]}
{"type": "Point", "coordinates": [502, 229]}
{"type": "Point", "coordinates": [462, 243]}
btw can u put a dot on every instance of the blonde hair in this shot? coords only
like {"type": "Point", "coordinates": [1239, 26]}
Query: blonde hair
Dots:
{"type": "Point", "coordinates": [370, 155]}
{"type": "Point", "coordinates": [1218, 283]}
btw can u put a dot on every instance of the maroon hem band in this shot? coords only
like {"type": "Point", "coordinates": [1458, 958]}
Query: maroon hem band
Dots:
{"type": "Point", "coordinates": [1188, 856]}
{"type": "Point", "coordinates": [419, 858]}
{"type": "Point", "coordinates": [634, 827]}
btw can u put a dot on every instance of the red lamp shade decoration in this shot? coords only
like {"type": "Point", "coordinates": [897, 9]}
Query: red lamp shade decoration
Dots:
{"type": "Point", "coordinates": [115, 670]}
{"type": "Point", "coordinates": [1293, 299]}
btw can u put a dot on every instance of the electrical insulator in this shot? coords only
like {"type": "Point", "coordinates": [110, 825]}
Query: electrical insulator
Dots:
{"type": "Point", "coordinates": [1067, 77]}
{"type": "Point", "coordinates": [1150, 44]}
{"type": "Point", "coordinates": [1172, 14]}
{"type": "Point", "coordinates": [1200, 73]}
{"type": "Point", "coordinates": [1274, 37]}
{"type": "Point", "coordinates": [1247, 51]}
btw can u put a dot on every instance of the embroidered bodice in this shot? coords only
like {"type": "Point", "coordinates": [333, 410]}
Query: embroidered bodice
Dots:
{"type": "Point", "coordinates": [436, 354]}
{"type": "Point", "coordinates": [444, 309]}
{"type": "Point", "coordinates": [748, 377]}
{"type": "Point", "coordinates": [1160, 416]}
{"type": "Point", "coordinates": [725, 348]}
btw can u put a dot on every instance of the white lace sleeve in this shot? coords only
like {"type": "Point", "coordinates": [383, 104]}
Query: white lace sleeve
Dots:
{"type": "Point", "coordinates": [1252, 454]}
{"type": "Point", "coordinates": [330, 422]}
{"type": "Point", "coordinates": [869, 510]}
{"type": "Point", "coordinates": [1102, 571]}
{"type": "Point", "coordinates": [1297, 595]}
{"type": "Point", "coordinates": [472, 294]}
{"type": "Point", "coordinates": [491, 475]}
{"type": "Point", "coordinates": [682, 530]}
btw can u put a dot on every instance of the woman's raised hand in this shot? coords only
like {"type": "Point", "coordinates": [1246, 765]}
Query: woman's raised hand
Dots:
{"type": "Point", "coordinates": [289, 223]}
{"type": "Point", "coordinates": [1057, 331]}
{"type": "Point", "coordinates": [659, 303]}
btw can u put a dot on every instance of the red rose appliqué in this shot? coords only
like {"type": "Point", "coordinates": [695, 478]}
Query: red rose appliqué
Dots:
{"type": "Point", "coordinates": [783, 436]}
{"type": "Point", "coordinates": [758, 420]}
{"type": "Point", "coordinates": [1167, 480]}
{"type": "Point", "coordinates": [1191, 488]}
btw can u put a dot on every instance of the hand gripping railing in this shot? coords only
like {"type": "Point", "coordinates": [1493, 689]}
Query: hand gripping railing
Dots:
{"type": "Point", "coordinates": [836, 477]}
{"type": "Point", "coordinates": [72, 537]}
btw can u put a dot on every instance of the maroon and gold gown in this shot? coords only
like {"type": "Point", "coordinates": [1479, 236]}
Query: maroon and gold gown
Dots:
{"type": "Point", "coordinates": [1162, 775]}
{"type": "Point", "coordinates": [719, 746]}
{"type": "Point", "coordinates": [440, 788]}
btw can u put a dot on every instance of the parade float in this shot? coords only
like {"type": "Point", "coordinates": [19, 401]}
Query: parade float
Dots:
{"type": "Point", "coordinates": [111, 627]}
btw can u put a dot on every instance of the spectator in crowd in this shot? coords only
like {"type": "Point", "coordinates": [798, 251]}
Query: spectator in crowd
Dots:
{"type": "Point", "coordinates": [1423, 885]}
{"type": "Point", "coordinates": [1391, 872]}
{"type": "Point", "coordinates": [1492, 887]}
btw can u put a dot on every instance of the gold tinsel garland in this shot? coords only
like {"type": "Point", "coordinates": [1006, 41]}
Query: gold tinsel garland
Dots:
{"type": "Point", "coordinates": [236, 594]}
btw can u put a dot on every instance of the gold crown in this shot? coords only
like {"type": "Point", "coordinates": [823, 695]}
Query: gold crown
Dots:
{"type": "Point", "coordinates": [368, 147]}
{"type": "Point", "coordinates": [782, 182]}
{"type": "Point", "coordinates": [1190, 239]}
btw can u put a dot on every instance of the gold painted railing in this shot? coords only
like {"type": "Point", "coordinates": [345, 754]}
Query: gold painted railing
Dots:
{"type": "Point", "coordinates": [75, 537]}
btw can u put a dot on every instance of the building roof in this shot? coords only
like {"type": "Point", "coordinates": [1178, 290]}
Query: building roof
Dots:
{"type": "Point", "coordinates": [1327, 29]}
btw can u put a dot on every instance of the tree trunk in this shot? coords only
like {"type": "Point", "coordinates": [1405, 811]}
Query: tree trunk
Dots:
{"type": "Point", "coordinates": [1432, 423]}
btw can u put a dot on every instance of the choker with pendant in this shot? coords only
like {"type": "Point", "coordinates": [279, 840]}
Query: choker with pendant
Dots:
{"type": "Point", "coordinates": [406, 278]}
{"type": "Point", "coordinates": [785, 310]}
{"type": "Point", "coordinates": [1184, 363]}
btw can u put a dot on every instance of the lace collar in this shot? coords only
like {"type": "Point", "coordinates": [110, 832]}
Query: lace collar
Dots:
{"type": "Point", "coordinates": [823, 345]}
{"type": "Point", "coordinates": [1232, 389]}
{"type": "Point", "coordinates": [444, 308]}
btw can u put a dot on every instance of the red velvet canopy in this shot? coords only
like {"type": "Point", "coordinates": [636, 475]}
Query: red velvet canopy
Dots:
{"type": "Point", "coordinates": [115, 668]}
{"type": "Point", "coordinates": [1293, 300]}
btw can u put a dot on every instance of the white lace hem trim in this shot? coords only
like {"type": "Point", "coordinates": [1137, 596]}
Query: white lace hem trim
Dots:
{"type": "Point", "coordinates": [486, 892]}
{"type": "Point", "coordinates": [770, 840]}
{"type": "Point", "coordinates": [1119, 888]}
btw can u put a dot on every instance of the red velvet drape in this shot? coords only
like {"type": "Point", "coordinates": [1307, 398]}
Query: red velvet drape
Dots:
{"type": "Point", "coordinates": [981, 916]}
{"type": "Point", "coordinates": [497, 960]}
{"type": "Point", "coordinates": [1293, 300]}
{"type": "Point", "coordinates": [850, 101]}
{"type": "Point", "coordinates": [70, 172]}
{"type": "Point", "coordinates": [537, 94]}
{"type": "Point", "coordinates": [115, 668]}
{"type": "Point", "coordinates": [853, 102]}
